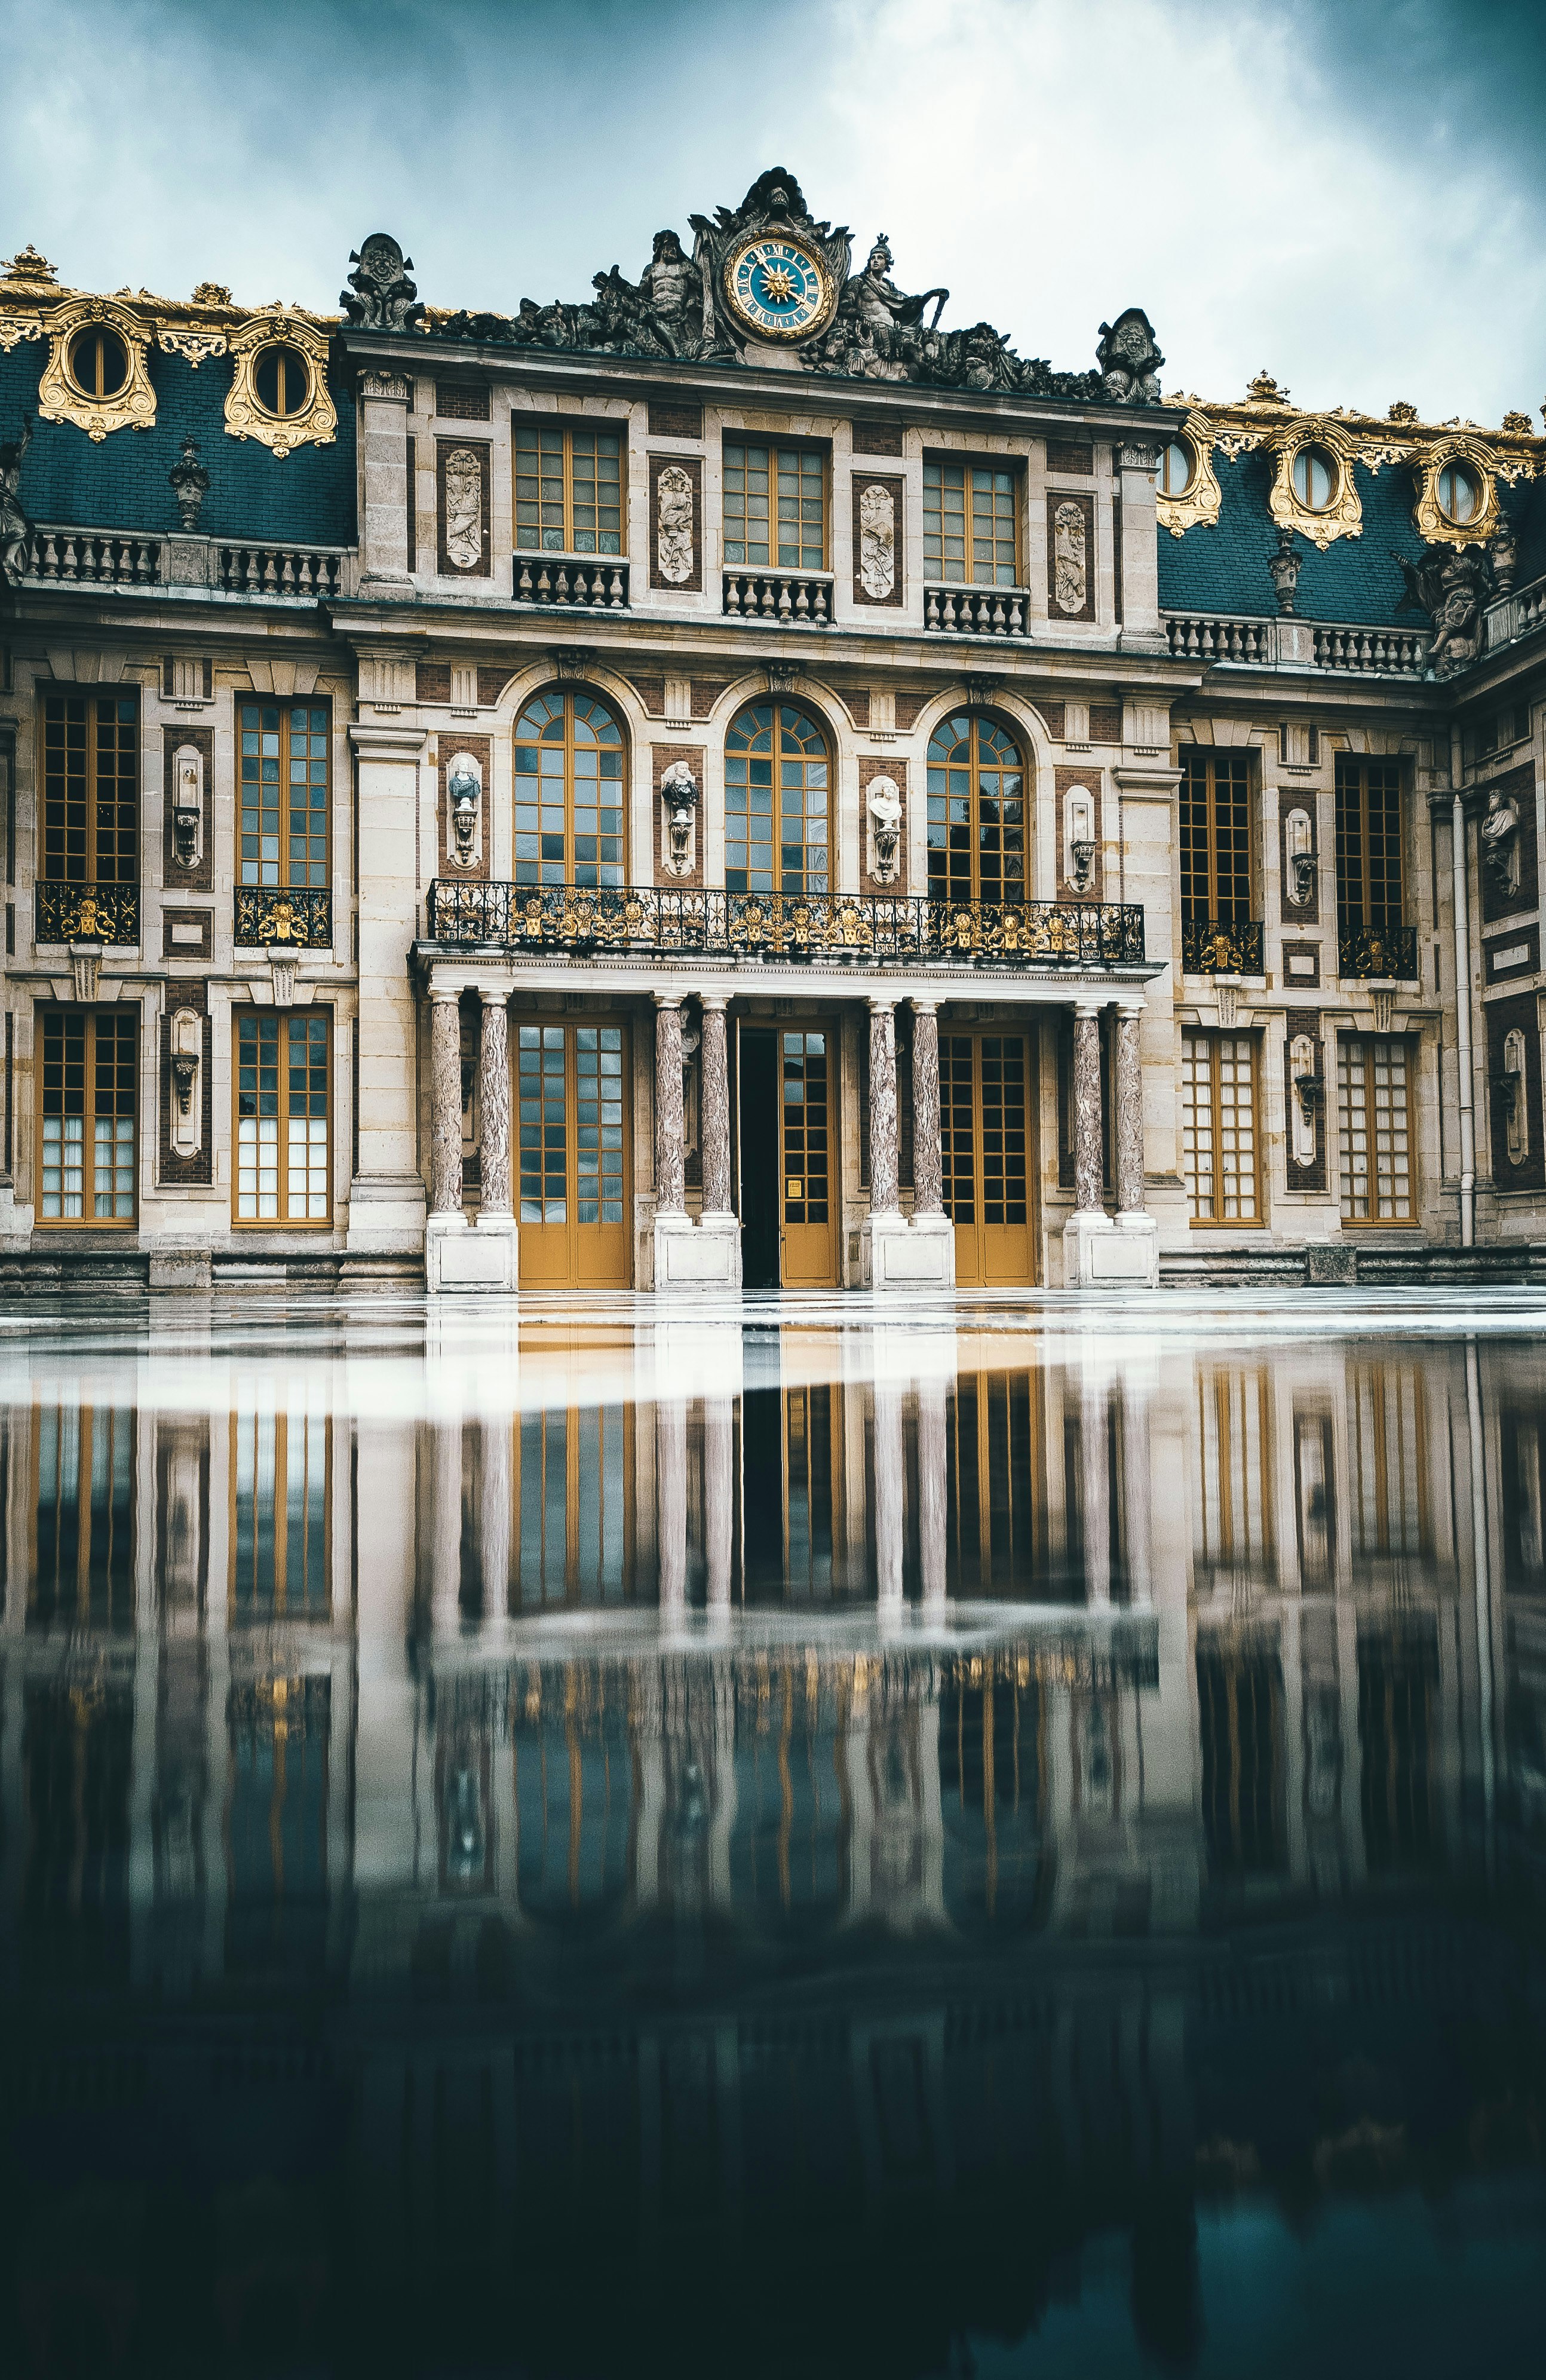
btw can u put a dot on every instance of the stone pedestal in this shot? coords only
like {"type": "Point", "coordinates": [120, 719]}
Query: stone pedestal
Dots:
{"type": "Point", "coordinates": [701, 1255]}
{"type": "Point", "coordinates": [459, 1254]}
{"type": "Point", "coordinates": [897, 1254]}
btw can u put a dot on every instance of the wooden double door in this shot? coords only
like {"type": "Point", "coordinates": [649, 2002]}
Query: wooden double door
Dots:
{"type": "Point", "coordinates": [790, 1178]}
{"type": "Point", "coordinates": [572, 1155]}
{"type": "Point", "coordinates": [985, 1085]}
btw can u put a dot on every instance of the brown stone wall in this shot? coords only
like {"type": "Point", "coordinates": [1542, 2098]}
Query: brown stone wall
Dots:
{"type": "Point", "coordinates": [1502, 953]}
{"type": "Point", "coordinates": [445, 447]}
{"type": "Point", "coordinates": [664, 757]}
{"type": "Point", "coordinates": [1086, 506]}
{"type": "Point", "coordinates": [481, 748]}
{"type": "Point", "coordinates": [908, 707]}
{"type": "Point", "coordinates": [651, 692]}
{"type": "Point", "coordinates": [882, 765]}
{"type": "Point", "coordinates": [1094, 783]}
{"type": "Point", "coordinates": [1070, 455]}
{"type": "Point", "coordinates": [173, 948]}
{"type": "Point", "coordinates": [877, 438]}
{"type": "Point", "coordinates": [896, 489]}
{"type": "Point", "coordinates": [432, 681]}
{"type": "Point", "coordinates": [692, 466]}
{"type": "Point", "coordinates": [492, 683]}
{"type": "Point", "coordinates": [1302, 965]}
{"type": "Point", "coordinates": [668, 421]}
{"type": "Point", "coordinates": [186, 1170]}
{"type": "Point", "coordinates": [1105, 722]}
{"type": "Point", "coordinates": [706, 693]}
{"type": "Point", "coordinates": [462, 400]}
{"type": "Point", "coordinates": [1053, 714]}
{"type": "Point", "coordinates": [173, 875]}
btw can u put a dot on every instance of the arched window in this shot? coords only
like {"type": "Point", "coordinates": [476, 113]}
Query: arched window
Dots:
{"type": "Point", "coordinates": [1177, 469]}
{"type": "Point", "coordinates": [1317, 477]}
{"type": "Point", "coordinates": [778, 802]}
{"type": "Point", "coordinates": [569, 792]}
{"type": "Point", "coordinates": [977, 796]}
{"type": "Point", "coordinates": [1459, 492]}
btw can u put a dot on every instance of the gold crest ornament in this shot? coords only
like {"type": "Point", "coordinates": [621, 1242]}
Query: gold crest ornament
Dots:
{"type": "Point", "coordinates": [97, 374]}
{"type": "Point", "coordinates": [279, 384]}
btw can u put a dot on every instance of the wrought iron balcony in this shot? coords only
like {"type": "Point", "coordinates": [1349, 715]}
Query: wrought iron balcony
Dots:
{"type": "Point", "coordinates": [289, 916]}
{"type": "Point", "coordinates": [1220, 946]}
{"type": "Point", "coordinates": [87, 913]}
{"type": "Point", "coordinates": [1384, 953]}
{"type": "Point", "coordinates": [874, 929]}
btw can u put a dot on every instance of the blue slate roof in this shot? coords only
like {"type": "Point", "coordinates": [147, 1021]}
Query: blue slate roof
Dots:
{"type": "Point", "coordinates": [68, 481]}
{"type": "Point", "coordinates": [1222, 566]}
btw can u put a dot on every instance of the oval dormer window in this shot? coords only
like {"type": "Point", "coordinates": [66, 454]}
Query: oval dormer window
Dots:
{"type": "Point", "coordinates": [1315, 478]}
{"type": "Point", "coordinates": [99, 361]}
{"type": "Point", "coordinates": [1459, 493]}
{"type": "Point", "coordinates": [281, 379]}
{"type": "Point", "coordinates": [1177, 468]}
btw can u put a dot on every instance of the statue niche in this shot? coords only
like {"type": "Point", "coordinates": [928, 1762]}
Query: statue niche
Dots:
{"type": "Point", "coordinates": [1499, 837]}
{"type": "Point", "coordinates": [679, 795]}
{"type": "Point", "coordinates": [464, 786]}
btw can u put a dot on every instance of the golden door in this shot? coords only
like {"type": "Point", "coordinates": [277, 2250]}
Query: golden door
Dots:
{"type": "Point", "coordinates": [808, 1174]}
{"type": "Point", "coordinates": [984, 1118]}
{"type": "Point", "coordinates": [573, 1153]}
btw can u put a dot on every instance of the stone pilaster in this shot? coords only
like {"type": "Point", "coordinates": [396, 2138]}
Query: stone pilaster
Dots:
{"type": "Point", "coordinates": [494, 1107]}
{"type": "Point", "coordinates": [386, 1197]}
{"type": "Point", "coordinates": [445, 1101]}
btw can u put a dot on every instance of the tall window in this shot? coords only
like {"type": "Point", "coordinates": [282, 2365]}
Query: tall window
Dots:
{"type": "Point", "coordinates": [281, 1507]}
{"type": "Point", "coordinates": [969, 524]}
{"type": "Point", "coordinates": [1218, 1127]}
{"type": "Point", "coordinates": [778, 798]}
{"type": "Point", "coordinates": [90, 789]}
{"type": "Point", "coordinates": [285, 793]}
{"type": "Point", "coordinates": [976, 821]}
{"type": "Point", "coordinates": [282, 1117]}
{"type": "Point", "coordinates": [1215, 838]}
{"type": "Point", "coordinates": [568, 490]}
{"type": "Point", "coordinates": [774, 507]}
{"type": "Point", "coordinates": [86, 1155]}
{"type": "Point", "coordinates": [569, 792]}
{"type": "Point", "coordinates": [1374, 1095]}
{"type": "Point", "coordinates": [1368, 843]}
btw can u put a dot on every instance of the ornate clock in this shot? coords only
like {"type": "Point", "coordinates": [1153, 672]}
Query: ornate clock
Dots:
{"type": "Point", "coordinates": [778, 289]}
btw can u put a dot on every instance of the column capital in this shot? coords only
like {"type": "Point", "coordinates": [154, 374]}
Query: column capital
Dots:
{"type": "Point", "coordinates": [441, 989]}
{"type": "Point", "coordinates": [713, 1000]}
{"type": "Point", "coordinates": [879, 1005]}
{"type": "Point", "coordinates": [924, 1007]}
{"type": "Point", "coordinates": [1088, 1007]}
{"type": "Point", "coordinates": [493, 995]}
{"type": "Point", "coordinates": [669, 1000]}
{"type": "Point", "coordinates": [1128, 1006]}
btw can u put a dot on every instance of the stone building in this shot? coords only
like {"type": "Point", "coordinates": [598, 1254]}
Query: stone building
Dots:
{"type": "Point", "coordinates": [734, 781]}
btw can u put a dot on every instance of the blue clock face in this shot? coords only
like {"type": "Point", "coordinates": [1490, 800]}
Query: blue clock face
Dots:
{"type": "Point", "coordinates": [779, 289]}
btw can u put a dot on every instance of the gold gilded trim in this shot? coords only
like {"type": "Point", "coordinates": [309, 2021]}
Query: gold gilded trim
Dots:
{"type": "Point", "coordinates": [134, 407]}
{"type": "Point", "coordinates": [197, 346]}
{"type": "Point", "coordinates": [1344, 516]}
{"type": "Point", "coordinates": [1200, 504]}
{"type": "Point", "coordinates": [814, 322]}
{"type": "Point", "coordinates": [1431, 521]}
{"type": "Point", "coordinates": [13, 332]}
{"type": "Point", "coordinates": [317, 423]}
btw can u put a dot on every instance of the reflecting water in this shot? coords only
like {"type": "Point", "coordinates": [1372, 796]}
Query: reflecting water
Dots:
{"type": "Point", "coordinates": [609, 1842]}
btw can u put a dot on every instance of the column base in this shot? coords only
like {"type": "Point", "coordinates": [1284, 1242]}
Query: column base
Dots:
{"type": "Point", "coordinates": [701, 1254]}
{"type": "Point", "coordinates": [1100, 1254]}
{"type": "Point", "coordinates": [481, 1257]}
{"type": "Point", "coordinates": [386, 1215]}
{"type": "Point", "coordinates": [896, 1253]}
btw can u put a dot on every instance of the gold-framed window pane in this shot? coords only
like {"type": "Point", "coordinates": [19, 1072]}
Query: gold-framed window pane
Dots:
{"type": "Point", "coordinates": [1374, 1121]}
{"type": "Point", "coordinates": [570, 788]}
{"type": "Point", "coordinates": [284, 1118]}
{"type": "Point", "coordinates": [285, 792]}
{"type": "Point", "coordinates": [91, 772]}
{"type": "Point", "coordinates": [976, 811]}
{"type": "Point", "coordinates": [805, 1136]}
{"type": "Point", "coordinates": [1219, 1131]}
{"type": "Point", "coordinates": [88, 1152]}
{"type": "Point", "coordinates": [1215, 837]}
{"type": "Point", "coordinates": [1370, 890]}
{"type": "Point", "coordinates": [543, 1125]}
{"type": "Point", "coordinates": [970, 522]}
{"type": "Point", "coordinates": [774, 506]}
{"type": "Point", "coordinates": [778, 802]}
{"type": "Point", "coordinates": [568, 490]}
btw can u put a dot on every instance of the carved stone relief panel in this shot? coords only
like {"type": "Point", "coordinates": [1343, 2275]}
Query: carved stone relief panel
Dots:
{"type": "Point", "coordinates": [1300, 884]}
{"type": "Point", "coordinates": [177, 875]}
{"type": "Point", "coordinates": [1506, 845]}
{"type": "Point", "coordinates": [1513, 1088]}
{"type": "Point", "coordinates": [1068, 785]}
{"type": "Point", "coordinates": [1071, 556]}
{"type": "Point", "coordinates": [676, 522]}
{"type": "Point", "coordinates": [185, 1136]}
{"type": "Point", "coordinates": [463, 853]}
{"type": "Point", "coordinates": [879, 771]}
{"type": "Point", "coordinates": [878, 540]}
{"type": "Point", "coordinates": [1304, 1084]}
{"type": "Point", "coordinates": [462, 492]}
{"type": "Point", "coordinates": [663, 758]}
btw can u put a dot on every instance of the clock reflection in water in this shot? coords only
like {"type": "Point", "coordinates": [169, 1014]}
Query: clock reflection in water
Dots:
{"type": "Point", "coordinates": [779, 289]}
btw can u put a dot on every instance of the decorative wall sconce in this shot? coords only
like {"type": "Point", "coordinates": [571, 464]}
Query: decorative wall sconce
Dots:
{"type": "Point", "coordinates": [464, 784]}
{"type": "Point", "coordinates": [1299, 844]}
{"type": "Point", "coordinates": [1309, 1096]}
{"type": "Point", "coordinates": [188, 804]}
{"type": "Point", "coordinates": [680, 795]}
{"type": "Point", "coordinates": [187, 1050]}
{"type": "Point", "coordinates": [1079, 837]}
{"type": "Point", "coordinates": [886, 815]}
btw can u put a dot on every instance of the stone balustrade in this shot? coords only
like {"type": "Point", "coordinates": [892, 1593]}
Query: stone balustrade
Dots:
{"type": "Point", "coordinates": [1216, 637]}
{"type": "Point", "coordinates": [958, 610]}
{"type": "Point", "coordinates": [306, 574]}
{"type": "Point", "coordinates": [94, 557]}
{"type": "Point", "coordinates": [1516, 614]}
{"type": "Point", "coordinates": [567, 580]}
{"type": "Point", "coordinates": [788, 597]}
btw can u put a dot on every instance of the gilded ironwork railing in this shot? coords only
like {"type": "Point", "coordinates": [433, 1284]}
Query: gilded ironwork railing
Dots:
{"type": "Point", "coordinates": [283, 914]}
{"type": "Point", "coordinates": [864, 928]}
{"type": "Point", "coordinates": [1387, 952]}
{"type": "Point", "coordinates": [87, 913]}
{"type": "Point", "coordinates": [1217, 946]}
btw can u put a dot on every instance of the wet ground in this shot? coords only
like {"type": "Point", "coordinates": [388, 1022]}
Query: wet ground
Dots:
{"type": "Point", "coordinates": [788, 1839]}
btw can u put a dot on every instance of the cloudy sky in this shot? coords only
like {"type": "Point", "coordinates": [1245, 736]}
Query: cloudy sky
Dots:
{"type": "Point", "coordinates": [1350, 192]}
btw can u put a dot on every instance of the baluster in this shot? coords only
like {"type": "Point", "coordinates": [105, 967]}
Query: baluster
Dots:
{"type": "Point", "coordinates": [544, 586]}
{"type": "Point", "coordinates": [786, 607]}
{"type": "Point", "coordinates": [732, 596]}
{"type": "Point", "coordinates": [561, 585]}
{"type": "Point", "coordinates": [931, 608]}
{"type": "Point", "coordinates": [51, 555]}
{"type": "Point", "coordinates": [1016, 616]}
{"type": "Point", "coordinates": [69, 558]}
{"type": "Point", "coordinates": [286, 574]}
{"type": "Point", "coordinates": [999, 623]}
{"type": "Point", "coordinates": [270, 573]}
{"type": "Point", "coordinates": [818, 603]}
{"type": "Point", "coordinates": [615, 593]}
{"type": "Point", "coordinates": [523, 584]}
{"type": "Point", "coordinates": [769, 601]}
{"type": "Point", "coordinates": [949, 601]}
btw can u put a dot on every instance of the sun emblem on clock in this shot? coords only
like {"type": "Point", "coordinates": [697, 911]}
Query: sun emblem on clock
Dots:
{"type": "Point", "coordinates": [779, 289]}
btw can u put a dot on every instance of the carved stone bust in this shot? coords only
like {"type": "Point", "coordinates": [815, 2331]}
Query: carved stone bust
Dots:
{"type": "Point", "coordinates": [681, 793]}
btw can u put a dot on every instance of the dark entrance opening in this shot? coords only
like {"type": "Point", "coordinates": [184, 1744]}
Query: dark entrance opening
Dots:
{"type": "Point", "coordinates": [759, 1093]}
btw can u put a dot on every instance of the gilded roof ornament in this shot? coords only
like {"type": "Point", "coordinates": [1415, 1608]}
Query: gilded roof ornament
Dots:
{"type": "Point", "coordinates": [30, 270]}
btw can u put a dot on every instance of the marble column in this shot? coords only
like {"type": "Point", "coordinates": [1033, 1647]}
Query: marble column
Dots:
{"type": "Point", "coordinates": [1089, 1148]}
{"type": "Point", "coordinates": [884, 1198]}
{"type": "Point", "coordinates": [1094, 1445]}
{"type": "Point", "coordinates": [493, 1087]}
{"type": "Point", "coordinates": [445, 1101]}
{"type": "Point", "coordinates": [716, 1126]}
{"type": "Point", "coordinates": [928, 1194]}
{"type": "Point", "coordinates": [670, 1194]}
{"type": "Point", "coordinates": [1129, 1111]}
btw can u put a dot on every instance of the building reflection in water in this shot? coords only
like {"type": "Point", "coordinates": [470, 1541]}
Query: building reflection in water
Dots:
{"type": "Point", "coordinates": [745, 1793]}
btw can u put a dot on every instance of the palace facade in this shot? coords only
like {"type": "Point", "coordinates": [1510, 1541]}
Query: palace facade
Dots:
{"type": "Point", "coordinates": [733, 782]}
